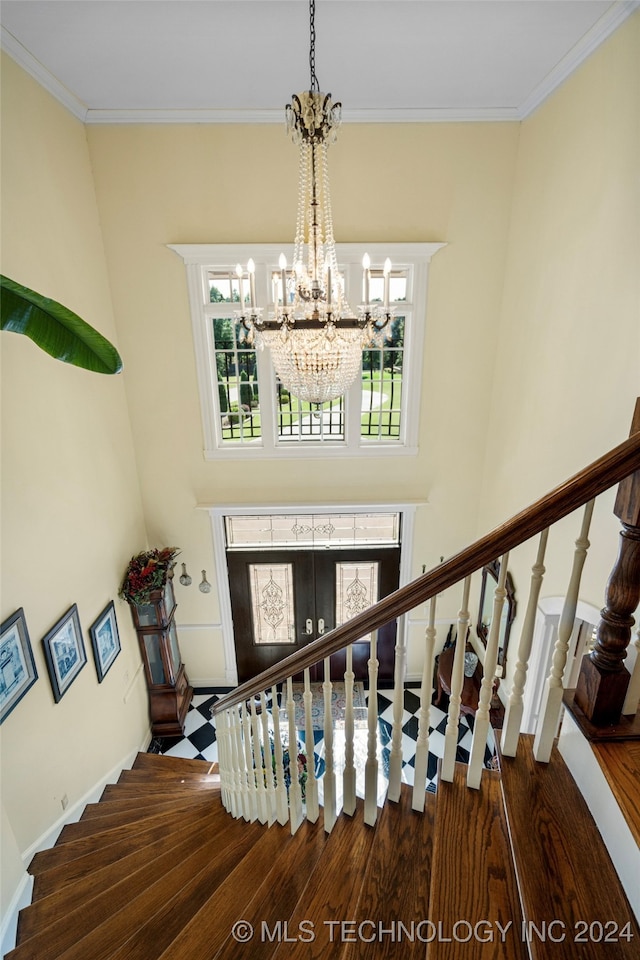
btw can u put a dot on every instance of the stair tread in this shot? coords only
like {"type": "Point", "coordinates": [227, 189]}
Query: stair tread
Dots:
{"type": "Point", "coordinates": [620, 762]}
{"type": "Point", "coordinates": [143, 790]}
{"type": "Point", "coordinates": [564, 870]}
{"type": "Point", "coordinates": [333, 888]}
{"type": "Point", "coordinates": [102, 892]}
{"type": "Point", "coordinates": [277, 896]}
{"type": "Point", "coordinates": [152, 805]}
{"type": "Point", "coordinates": [160, 761]}
{"type": "Point", "coordinates": [110, 823]}
{"type": "Point", "coordinates": [165, 777]}
{"type": "Point", "coordinates": [104, 930]}
{"type": "Point", "coordinates": [197, 920]}
{"type": "Point", "coordinates": [84, 855]}
{"type": "Point", "coordinates": [473, 877]}
{"type": "Point", "coordinates": [395, 887]}
{"type": "Point", "coordinates": [58, 880]}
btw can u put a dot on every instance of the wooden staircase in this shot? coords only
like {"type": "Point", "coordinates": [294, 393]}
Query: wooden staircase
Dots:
{"type": "Point", "coordinates": [158, 869]}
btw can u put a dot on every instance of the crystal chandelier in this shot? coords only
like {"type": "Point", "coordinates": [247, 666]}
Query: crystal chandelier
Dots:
{"type": "Point", "coordinates": [316, 339]}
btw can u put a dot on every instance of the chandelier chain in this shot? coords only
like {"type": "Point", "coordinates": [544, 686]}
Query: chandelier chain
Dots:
{"type": "Point", "coordinates": [315, 87]}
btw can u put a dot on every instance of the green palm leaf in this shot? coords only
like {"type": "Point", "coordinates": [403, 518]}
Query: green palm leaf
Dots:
{"type": "Point", "coordinates": [55, 329]}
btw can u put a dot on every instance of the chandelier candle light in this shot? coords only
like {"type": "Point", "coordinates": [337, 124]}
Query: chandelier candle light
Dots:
{"type": "Point", "coordinates": [316, 339]}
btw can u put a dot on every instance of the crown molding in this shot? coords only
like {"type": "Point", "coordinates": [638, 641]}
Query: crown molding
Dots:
{"type": "Point", "coordinates": [35, 69]}
{"type": "Point", "coordinates": [603, 28]}
{"type": "Point", "coordinates": [388, 115]}
{"type": "Point", "coordinates": [185, 116]}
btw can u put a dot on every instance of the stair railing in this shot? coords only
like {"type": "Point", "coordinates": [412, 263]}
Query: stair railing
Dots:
{"type": "Point", "coordinates": [254, 777]}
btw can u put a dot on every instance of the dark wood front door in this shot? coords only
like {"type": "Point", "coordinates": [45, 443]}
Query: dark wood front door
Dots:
{"type": "Point", "coordinates": [281, 600]}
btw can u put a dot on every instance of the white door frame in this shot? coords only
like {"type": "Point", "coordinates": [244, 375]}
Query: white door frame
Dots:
{"type": "Point", "coordinates": [217, 515]}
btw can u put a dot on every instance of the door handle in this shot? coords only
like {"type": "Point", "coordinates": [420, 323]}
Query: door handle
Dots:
{"type": "Point", "coordinates": [320, 627]}
{"type": "Point", "coordinates": [308, 630]}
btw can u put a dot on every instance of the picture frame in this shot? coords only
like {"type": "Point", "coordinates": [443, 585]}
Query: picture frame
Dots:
{"type": "Point", "coordinates": [64, 652]}
{"type": "Point", "coordinates": [17, 667]}
{"type": "Point", "coordinates": [105, 640]}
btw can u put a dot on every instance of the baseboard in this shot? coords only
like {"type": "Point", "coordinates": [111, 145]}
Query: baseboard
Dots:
{"type": "Point", "coordinates": [9, 924]}
{"type": "Point", "coordinates": [22, 895]}
{"type": "Point", "coordinates": [588, 774]}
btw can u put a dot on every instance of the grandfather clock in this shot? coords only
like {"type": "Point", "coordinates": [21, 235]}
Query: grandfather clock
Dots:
{"type": "Point", "coordinates": [169, 690]}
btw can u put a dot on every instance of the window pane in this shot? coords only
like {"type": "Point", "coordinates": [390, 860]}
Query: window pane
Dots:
{"type": "Point", "coordinates": [237, 377]}
{"type": "Point", "coordinates": [272, 602]}
{"type": "Point", "coordinates": [224, 287]}
{"type": "Point", "coordinates": [154, 657]}
{"type": "Point", "coordinates": [382, 386]}
{"type": "Point", "coordinates": [299, 421]}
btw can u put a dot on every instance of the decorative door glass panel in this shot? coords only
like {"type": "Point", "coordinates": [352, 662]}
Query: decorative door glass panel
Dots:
{"type": "Point", "coordinates": [356, 589]}
{"type": "Point", "coordinates": [154, 657]}
{"type": "Point", "coordinates": [272, 602]}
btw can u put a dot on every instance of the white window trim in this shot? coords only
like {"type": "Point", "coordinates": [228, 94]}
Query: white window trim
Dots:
{"type": "Point", "coordinates": [414, 256]}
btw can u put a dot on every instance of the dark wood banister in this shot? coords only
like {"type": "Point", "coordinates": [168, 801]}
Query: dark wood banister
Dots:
{"type": "Point", "coordinates": [563, 500]}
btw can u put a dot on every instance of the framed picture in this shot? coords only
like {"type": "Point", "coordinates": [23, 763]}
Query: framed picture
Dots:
{"type": "Point", "coordinates": [105, 640]}
{"type": "Point", "coordinates": [17, 668]}
{"type": "Point", "coordinates": [65, 653]}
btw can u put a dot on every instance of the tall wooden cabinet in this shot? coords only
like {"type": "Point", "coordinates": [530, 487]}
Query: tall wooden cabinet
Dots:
{"type": "Point", "coordinates": [169, 690]}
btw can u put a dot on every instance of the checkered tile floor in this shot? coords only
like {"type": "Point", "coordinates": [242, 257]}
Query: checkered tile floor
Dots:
{"type": "Point", "coordinates": [199, 741]}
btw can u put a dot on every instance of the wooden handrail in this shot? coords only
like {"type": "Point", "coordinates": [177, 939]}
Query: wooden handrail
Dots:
{"type": "Point", "coordinates": [593, 480]}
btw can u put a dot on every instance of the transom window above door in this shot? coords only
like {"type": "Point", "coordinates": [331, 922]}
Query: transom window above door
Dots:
{"type": "Point", "coordinates": [311, 531]}
{"type": "Point", "coordinates": [247, 412]}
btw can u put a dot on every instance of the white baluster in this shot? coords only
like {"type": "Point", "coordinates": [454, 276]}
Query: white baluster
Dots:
{"type": "Point", "coordinates": [249, 762]}
{"type": "Point", "coordinates": [371, 766]}
{"type": "Point", "coordinates": [224, 763]}
{"type": "Point", "coordinates": [236, 793]}
{"type": "Point", "coordinates": [329, 770]}
{"type": "Point", "coordinates": [241, 762]}
{"type": "Point", "coordinates": [349, 772]}
{"type": "Point", "coordinates": [312, 784]}
{"type": "Point", "coordinates": [481, 725]}
{"type": "Point", "coordinates": [268, 761]}
{"type": "Point", "coordinates": [513, 714]}
{"type": "Point", "coordinates": [282, 807]}
{"type": "Point", "coordinates": [295, 793]}
{"type": "Point", "coordinates": [455, 697]}
{"type": "Point", "coordinates": [632, 698]}
{"type": "Point", "coordinates": [261, 790]}
{"type": "Point", "coordinates": [400, 669]}
{"type": "Point", "coordinates": [221, 765]}
{"type": "Point", "coordinates": [426, 693]}
{"type": "Point", "coordinates": [551, 706]}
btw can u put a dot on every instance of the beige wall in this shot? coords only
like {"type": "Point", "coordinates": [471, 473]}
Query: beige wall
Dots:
{"type": "Point", "coordinates": [568, 360]}
{"type": "Point", "coordinates": [173, 184]}
{"type": "Point", "coordinates": [71, 510]}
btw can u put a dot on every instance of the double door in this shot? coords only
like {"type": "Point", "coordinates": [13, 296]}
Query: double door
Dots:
{"type": "Point", "coordinates": [281, 600]}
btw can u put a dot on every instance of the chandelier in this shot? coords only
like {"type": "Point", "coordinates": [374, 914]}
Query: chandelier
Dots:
{"type": "Point", "coordinates": [316, 339]}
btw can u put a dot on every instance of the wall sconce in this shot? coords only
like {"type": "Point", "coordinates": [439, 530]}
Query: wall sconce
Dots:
{"type": "Point", "coordinates": [205, 586]}
{"type": "Point", "coordinates": [185, 579]}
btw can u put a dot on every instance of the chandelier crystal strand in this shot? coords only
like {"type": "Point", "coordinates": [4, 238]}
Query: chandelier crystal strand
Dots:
{"type": "Point", "coordinates": [316, 339]}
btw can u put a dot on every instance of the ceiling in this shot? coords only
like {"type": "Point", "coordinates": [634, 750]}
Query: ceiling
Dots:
{"type": "Point", "coordinates": [240, 60]}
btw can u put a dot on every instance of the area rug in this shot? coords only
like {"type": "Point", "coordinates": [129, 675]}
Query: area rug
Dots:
{"type": "Point", "coordinates": [338, 705]}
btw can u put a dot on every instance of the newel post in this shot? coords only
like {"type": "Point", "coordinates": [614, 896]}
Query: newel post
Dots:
{"type": "Point", "coordinates": [603, 681]}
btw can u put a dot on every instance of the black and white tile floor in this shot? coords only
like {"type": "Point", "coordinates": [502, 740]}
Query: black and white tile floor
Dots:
{"type": "Point", "coordinates": [199, 741]}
